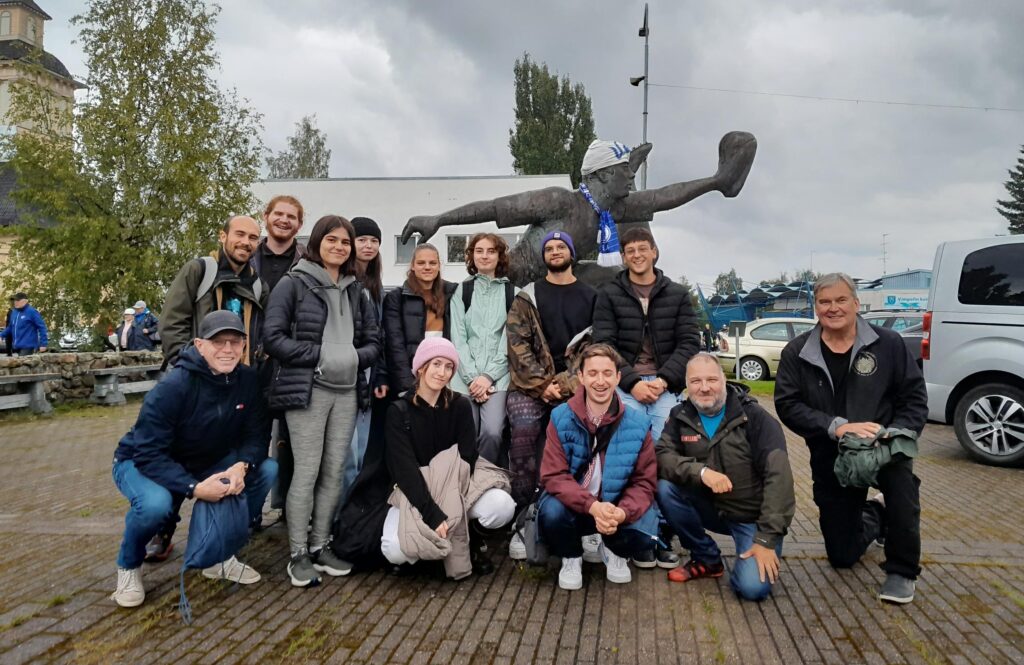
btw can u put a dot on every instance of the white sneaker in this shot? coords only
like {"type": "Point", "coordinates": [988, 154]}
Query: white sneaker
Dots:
{"type": "Point", "coordinates": [232, 570]}
{"type": "Point", "coordinates": [616, 568]}
{"type": "Point", "coordinates": [571, 575]}
{"type": "Point", "coordinates": [130, 592]}
{"type": "Point", "coordinates": [516, 548]}
{"type": "Point", "coordinates": [591, 548]}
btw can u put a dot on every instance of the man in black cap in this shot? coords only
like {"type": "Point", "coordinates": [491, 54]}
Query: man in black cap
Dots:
{"type": "Point", "coordinates": [202, 425]}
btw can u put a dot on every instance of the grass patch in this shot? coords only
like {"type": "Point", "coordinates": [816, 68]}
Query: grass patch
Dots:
{"type": "Point", "coordinates": [85, 512]}
{"type": "Point", "coordinates": [58, 600]}
{"type": "Point", "coordinates": [762, 388]}
{"type": "Point", "coordinates": [73, 409]}
{"type": "Point", "coordinates": [1010, 593]}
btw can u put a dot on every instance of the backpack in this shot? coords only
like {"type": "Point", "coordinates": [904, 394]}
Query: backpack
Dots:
{"type": "Point", "coordinates": [210, 275]}
{"type": "Point", "coordinates": [215, 534]}
{"type": "Point", "coordinates": [467, 293]}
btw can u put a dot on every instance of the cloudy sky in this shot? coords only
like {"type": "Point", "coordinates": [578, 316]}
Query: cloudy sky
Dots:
{"type": "Point", "coordinates": [407, 88]}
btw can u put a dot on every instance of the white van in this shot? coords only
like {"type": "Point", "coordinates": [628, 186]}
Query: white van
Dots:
{"type": "Point", "coordinates": [973, 346]}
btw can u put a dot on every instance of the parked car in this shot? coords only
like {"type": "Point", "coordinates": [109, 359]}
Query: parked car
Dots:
{"type": "Point", "coordinates": [893, 319]}
{"type": "Point", "coordinates": [73, 339]}
{"type": "Point", "coordinates": [912, 337]}
{"type": "Point", "coordinates": [973, 346]}
{"type": "Point", "coordinates": [761, 344]}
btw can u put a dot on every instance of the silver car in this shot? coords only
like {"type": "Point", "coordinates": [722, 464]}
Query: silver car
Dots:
{"type": "Point", "coordinates": [973, 346]}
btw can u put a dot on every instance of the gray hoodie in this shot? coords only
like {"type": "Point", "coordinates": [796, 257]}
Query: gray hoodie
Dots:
{"type": "Point", "coordinates": [339, 363]}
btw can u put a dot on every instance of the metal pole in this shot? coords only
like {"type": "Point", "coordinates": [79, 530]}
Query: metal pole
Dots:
{"type": "Point", "coordinates": [647, 32]}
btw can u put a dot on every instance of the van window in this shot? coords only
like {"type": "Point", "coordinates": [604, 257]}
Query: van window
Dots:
{"type": "Point", "coordinates": [993, 276]}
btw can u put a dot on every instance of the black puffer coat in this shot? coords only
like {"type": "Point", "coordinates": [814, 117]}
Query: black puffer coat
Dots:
{"type": "Point", "coordinates": [293, 331]}
{"type": "Point", "coordinates": [619, 320]}
{"type": "Point", "coordinates": [405, 322]}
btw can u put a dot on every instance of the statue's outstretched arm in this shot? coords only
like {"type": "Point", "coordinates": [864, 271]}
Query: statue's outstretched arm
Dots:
{"type": "Point", "coordinates": [736, 153]}
{"type": "Point", "coordinates": [513, 210]}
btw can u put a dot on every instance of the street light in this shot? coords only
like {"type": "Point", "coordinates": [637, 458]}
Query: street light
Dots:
{"type": "Point", "coordinates": [635, 81]}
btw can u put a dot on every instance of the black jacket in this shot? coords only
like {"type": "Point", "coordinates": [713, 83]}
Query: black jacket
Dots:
{"type": "Point", "coordinates": [748, 447]}
{"type": "Point", "coordinates": [884, 385]}
{"type": "Point", "coordinates": [619, 320]}
{"type": "Point", "coordinates": [415, 433]}
{"type": "Point", "coordinates": [192, 419]}
{"type": "Point", "coordinates": [293, 331]}
{"type": "Point", "coordinates": [405, 321]}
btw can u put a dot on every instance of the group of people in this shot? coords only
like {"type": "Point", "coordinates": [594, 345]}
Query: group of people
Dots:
{"type": "Point", "coordinates": [409, 424]}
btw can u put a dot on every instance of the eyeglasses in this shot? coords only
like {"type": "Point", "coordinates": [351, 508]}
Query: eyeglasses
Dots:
{"type": "Point", "coordinates": [230, 342]}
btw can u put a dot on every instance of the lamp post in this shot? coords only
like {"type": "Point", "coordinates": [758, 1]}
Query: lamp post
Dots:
{"type": "Point", "coordinates": [635, 81]}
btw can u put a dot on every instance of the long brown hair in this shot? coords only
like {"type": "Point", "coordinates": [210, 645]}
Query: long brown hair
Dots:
{"type": "Point", "coordinates": [433, 298]}
{"type": "Point", "coordinates": [501, 270]}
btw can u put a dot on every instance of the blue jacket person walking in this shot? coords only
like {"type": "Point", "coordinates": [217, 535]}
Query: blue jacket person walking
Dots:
{"type": "Point", "coordinates": [26, 329]}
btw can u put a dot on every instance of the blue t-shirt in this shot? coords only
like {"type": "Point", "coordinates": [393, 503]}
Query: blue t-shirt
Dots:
{"type": "Point", "coordinates": [711, 423]}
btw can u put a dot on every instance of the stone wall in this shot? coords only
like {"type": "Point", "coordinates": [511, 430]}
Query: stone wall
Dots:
{"type": "Point", "coordinates": [75, 383]}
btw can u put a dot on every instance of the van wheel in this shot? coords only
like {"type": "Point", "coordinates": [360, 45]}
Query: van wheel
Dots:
{"type": "Point", "coordinates": [989, 423]}
{"type": "Point", "coordinates": [753, 369]}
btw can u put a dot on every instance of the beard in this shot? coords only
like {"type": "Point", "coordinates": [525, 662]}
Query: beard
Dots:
{"type": "Point", "coordinates": [710, 409]}
{"type": "Point", "coordinates": [558, 268]}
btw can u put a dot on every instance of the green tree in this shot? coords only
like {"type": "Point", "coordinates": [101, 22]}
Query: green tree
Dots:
{"type": "Point", "coordinates": [158, 159]}
{"type": "Point", "coordinates": [783, 278]}
{"type": "Point", "coordinates": [1013, 208]}
{"type": "Point", "coordinates": [307, 155]}
{"type": "Point", "coordinates": [554, 122]}
{"type": "Point", "coordinates": [702, 316]}
{"type": "Point", "coordinates": [806, 275]}
{"type": "Point", "coordinates": [727, 282]}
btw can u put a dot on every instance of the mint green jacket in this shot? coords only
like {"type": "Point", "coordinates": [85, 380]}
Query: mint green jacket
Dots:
{"type": "Point", "coordinates": [479, 335]}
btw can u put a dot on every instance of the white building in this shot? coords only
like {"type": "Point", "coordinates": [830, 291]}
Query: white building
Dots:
{"type": "Point", "coordinates": [392, 201]}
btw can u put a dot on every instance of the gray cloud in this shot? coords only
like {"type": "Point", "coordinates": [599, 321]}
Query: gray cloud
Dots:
{"type": "Point", "coordinates": [412, 88]}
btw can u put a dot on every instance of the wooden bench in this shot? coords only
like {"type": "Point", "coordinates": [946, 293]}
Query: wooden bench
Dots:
{"type": "Point", "coordinates": [108, 388]}
{"type": "Point", "coordinates": [34, 397]}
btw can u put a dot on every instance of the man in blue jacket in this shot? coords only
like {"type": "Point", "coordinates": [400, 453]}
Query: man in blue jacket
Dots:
{"type": "Point", "coordinates": [25, 331]}
{"type": "Point", "coordinates": [202, 425]}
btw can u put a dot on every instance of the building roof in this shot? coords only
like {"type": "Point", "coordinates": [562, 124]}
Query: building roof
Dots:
{"type": "Point", "coordinates": [27, 4]}
{"type": "Point", "coordinates": [16, 49]}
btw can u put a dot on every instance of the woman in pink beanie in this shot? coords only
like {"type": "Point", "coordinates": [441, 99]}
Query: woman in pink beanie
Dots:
{"type": "Point", "coordinates": [425, 423]}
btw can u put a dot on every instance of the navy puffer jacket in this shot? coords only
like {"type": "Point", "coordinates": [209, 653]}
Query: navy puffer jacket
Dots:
{"type": "Point", "coordinates": [293, 331]}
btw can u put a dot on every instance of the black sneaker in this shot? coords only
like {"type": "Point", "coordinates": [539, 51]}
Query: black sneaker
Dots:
{"type": "Point", "coordinates": [159, 548]}
{"type": "Point", "coordinates": [301, 571]}
{"type": "Point", "coordinates": [325, 561]}
{"type": "Point", "coordinates": [897, 589]}
{"type": "Point", "coordinates": [646, 559]}
{"type": "Point", "coordinates": [666, 558]}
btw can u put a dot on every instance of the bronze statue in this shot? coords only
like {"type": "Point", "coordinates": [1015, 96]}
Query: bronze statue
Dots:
{"type": "Point", "coordinates": [612, 189]}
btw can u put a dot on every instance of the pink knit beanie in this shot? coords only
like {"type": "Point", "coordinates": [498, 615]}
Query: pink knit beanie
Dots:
{"type": "Point", "coordinates": [434, 347]}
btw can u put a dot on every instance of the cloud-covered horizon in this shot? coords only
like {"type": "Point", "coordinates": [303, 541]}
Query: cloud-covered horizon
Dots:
{"type": "Point", "coordinates": [422, 89]}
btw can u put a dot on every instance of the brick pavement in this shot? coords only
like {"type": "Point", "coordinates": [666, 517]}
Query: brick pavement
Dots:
{"type": "Point", "coordinates": [60, 521]}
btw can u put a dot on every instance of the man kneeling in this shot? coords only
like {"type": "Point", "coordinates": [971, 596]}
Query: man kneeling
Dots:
{"type": "Point", "coordinates": [723, 467]}
{"type": "Point", "coordinates": [202, 425]}
{"type": "Point", "coordinates": [598, 473]}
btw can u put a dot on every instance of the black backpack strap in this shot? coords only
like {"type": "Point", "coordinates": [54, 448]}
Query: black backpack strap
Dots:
{"type": "Point", "coordinates": [467, 293]}
{"type": "Point", "coordinates": [510, 295]}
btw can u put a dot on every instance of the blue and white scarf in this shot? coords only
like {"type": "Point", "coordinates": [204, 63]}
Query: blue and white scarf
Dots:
{"type": "Point", "coordinates": [608, 253]}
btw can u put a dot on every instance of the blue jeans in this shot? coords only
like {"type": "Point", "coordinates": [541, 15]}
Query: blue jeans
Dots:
{"type": "Point", "coordinates": [153, 505]}
{"type": "Point", "coordinates": [354, 461]}
{"type": "Point", "coordinates": [561, 530]}
{"type": "Point", "coordinates": [657, 412]}
{"type": "Point", "coordinates": [689, 512]}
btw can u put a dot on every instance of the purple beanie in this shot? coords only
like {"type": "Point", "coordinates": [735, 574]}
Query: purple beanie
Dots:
{"type": "Point", "coordinates": [559, 235]}
{"type": "Point", "coordinates": [434, 347]}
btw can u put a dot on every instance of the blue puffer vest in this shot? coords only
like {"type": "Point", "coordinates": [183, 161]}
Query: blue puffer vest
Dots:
{"type": "Point", "coordinates": [620, 457]}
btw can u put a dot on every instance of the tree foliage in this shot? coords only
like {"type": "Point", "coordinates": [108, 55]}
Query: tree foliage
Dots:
{"type": "Point", "coordinates": [158, 159]}
{"type": "Point", "coordinates": [307, 155]}
{"type": "Point", "coordinates": [728, 282]}
{"type": "Point", "coordinates": [554, 122]}
{"type": "Point", "coordinates": [1013, 207]}
{"type": "Point", "coordinates": [783, 278]}
{"type": "Point", "coordinates": [806, 275]}
{"type": "Point", "coordinates": [698, 308]}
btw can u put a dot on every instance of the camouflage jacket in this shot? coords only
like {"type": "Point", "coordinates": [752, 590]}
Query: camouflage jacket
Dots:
{"type": "Point", "coordinates": [531, 366]}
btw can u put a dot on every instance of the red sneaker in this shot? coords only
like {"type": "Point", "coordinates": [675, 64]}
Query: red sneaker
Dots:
{"type": "Point", "coordinates": [159, 548]}
{"type": "Point", "coordinates": [692, 570]}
